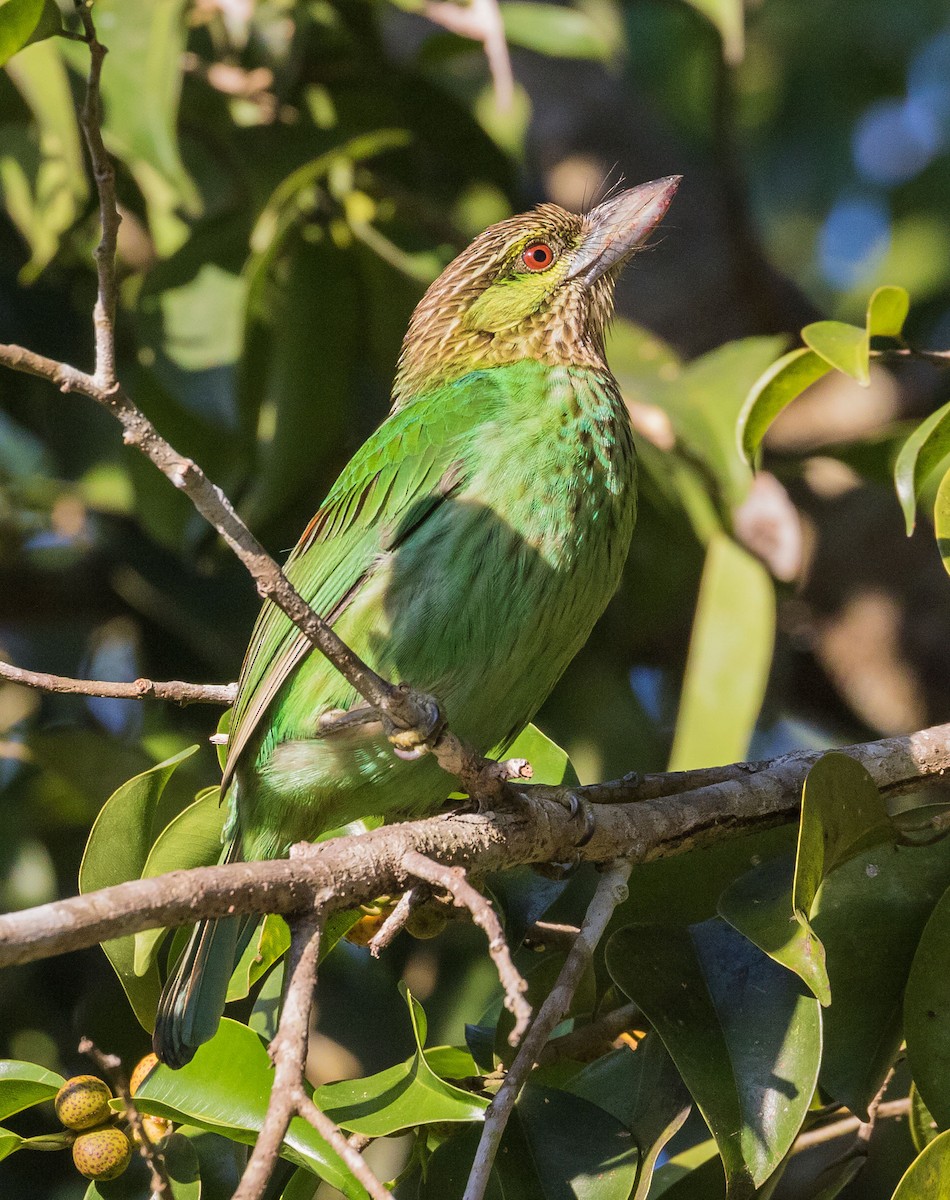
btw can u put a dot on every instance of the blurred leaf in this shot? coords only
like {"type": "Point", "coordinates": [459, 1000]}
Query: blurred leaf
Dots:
{"type": "Point", "coordinates": [402, 1096]}
{"type": "Point", "coordinates": [759, 905]}
{"type": "Point", "coordinates": [116, 851]}
{"type": "Point", "coordinates": [728, 16]}
{"type": "Point", "coordinates": [559, 32]}
{"type": "Point", "coordinates": [942, 520]}
{"type": "Point", "coordinates": [927, 1014]}
{"type": "Point", "coordinates": [554, 1146]}
{"type": "Point", "coordinates": [928, 1176]}
{"type": "Point", "coordinates": [26, 21]}
{"type": "Point", "coordinates": [843, 813]}
{"type": "Point", "coordinates": [728, 664]}
{"type": "Point", "coordinates": [887, 311]}
{"type": "Point", "coordinates": [745, 1039]}
{"type": "Point", "coordinates": [23, 1084]}
{"type": "Point", "coordinates": [225, 1089]}
{"type": "Point", "coordinates": [842, 346]}
{"type": "Point", "coordinates": [181, 1163]}
{"type": "Point", "coordinates": [643, 1090]}
{"type": "Point", "coordinates": [774, 390]}
{"type": "Point", "coordinates": [869, 915]}
{"type": "Point", "coordinates": [919, 456]}
{"type": "Point", "coordinates": [923, 1128]}
{"type": "Point", "coordinates": [191, 839]}
{"type": "Point", "coordinates": [302, 1186]}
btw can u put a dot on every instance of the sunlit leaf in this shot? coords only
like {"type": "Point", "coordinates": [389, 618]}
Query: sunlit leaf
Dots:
{"type": "Point", "coordinates": [693, 1174]}
{"type": "Point", "coordinates": [919, 456]}
{"type": "Point", "coordinates": [558, 31]}
{"type": "Point", "coordinates": [772, 392]}
{"type": "Point", "coordinates": [942, 520]}
{"type": "Point", "coordinates": [887, 311]}
{"type": "Point", "coordinates": [745, 1039]}
{"type": "Point", "coordinates": [9, 1142]}
{"type": "Point", "coordinates": [23, 1084]}
{"type": "Point", "coordinates": [928, 1176]}
{"type": "Point", "coordinates": [26, 21]}
{"type": "Point", "coordinates": [842, 346]}
{"type": "Point", "coordinates": [271, 942]}
{"type": "Point", "coordinates": [923, 1128]}
{"type": "Point", "coordinates": [117, 850]}
{"type": "Point", "coordinates": [728, 663]}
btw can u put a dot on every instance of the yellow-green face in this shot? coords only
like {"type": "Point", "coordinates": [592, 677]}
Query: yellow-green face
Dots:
{"type": "Point", "coordinates": [532, 270]}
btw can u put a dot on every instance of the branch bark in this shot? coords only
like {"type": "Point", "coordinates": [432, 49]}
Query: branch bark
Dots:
{"type": "Point", "coordinates": [141, 689]}
{"type": "Point", "coordinates": [354, 870]}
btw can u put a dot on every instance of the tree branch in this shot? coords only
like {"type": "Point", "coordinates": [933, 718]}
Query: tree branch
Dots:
{"type": "Point", "coordinates": [354, 870]}
{"type": "Point", "coordinates": [141, 689]}
{"type": "Point", "coordinates": [611, 891]}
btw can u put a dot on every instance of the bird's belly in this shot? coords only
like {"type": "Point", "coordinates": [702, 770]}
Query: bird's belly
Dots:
{"type": "Point", "coordinates": [470, 609]}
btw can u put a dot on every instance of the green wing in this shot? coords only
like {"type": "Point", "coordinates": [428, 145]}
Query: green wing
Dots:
{"type": "Point", "coordinates": [395, 481]}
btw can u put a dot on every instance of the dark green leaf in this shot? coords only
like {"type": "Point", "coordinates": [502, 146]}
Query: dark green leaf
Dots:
{"type": "Point", "coordinates": [644, 1091]}
{"type": "Point", "coordinates": [928, 1176]}
{"type": "Point", "coordinates": [728, 16]}
{"type": "Point", "coordinates": [869, 915]}
{"type": "Point", "coordinates": [927, 1014]}
{"type": "Point", "coordinates": [23, 1084]}
{"type": "Point", "coordinates": [729, 660]}
{"type": "Point", "coordinates": [117, 850]}
{"type": "Point", "coordinates": [695, 1174]}
{"type": "Point", "coordinates": [842, 814]}
{"type": "Point", "coordinates": [745, 1039]}
{"type": "Point", "coordinates": [181, 1163]}
{"type": "Point", "coordinates": [842, 346]}
{"type": "Point", "coordinates": [919, 456]}
{"type": "Point", "coordinates": [774, 391]}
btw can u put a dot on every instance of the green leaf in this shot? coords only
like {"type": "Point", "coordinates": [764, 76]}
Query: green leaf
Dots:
{"type": "Point", "coordinates": [927, 1014]}
{"type": "Point", "coordinates": [550, 763]}
{"type": "Point", "coordinates": [842, 346]}
{"type": "Point", "coordinates": [302, 1186]}
{"type": "Point", "coordinates": [25, 21]}
{"type": "Point", "coordinates": [554, 1146]}
{"type": "Point", "coordinates": [942, 520]}
{"type": "Point", "coordinates": [928, 1176]}
{"type": "Point", "coordinates": [869, 915]}
{"type": "Point", "coordinates": [117, 850]}
{"type": "Point", "coordinates": [919, 456]}
{"type": "Point", "coordinates": [556, 31]}
{"type": "Point", "coordinates": [181, 1163]}
{"type": "Point", "coordinates": [644, 1091]}
{"type": "Point", "coordinates": [923, 1128]}
{"type": "Point", "coordinates": [191, 839]}
{"type": "Point", "coordinates": [728, 16]}
{"type": "Point", "coordinates": [23, 1084]}
{"type": "Point", "coordinates": [759, 905]}
{"type": "Point", "coordinates": [745, 1039]}
{"type": "Point", "coordinates": [728, 663]}
{"type": "Point", "coordinates": [225, 1088]}
{"type": "Point", "coordinates": [842, 814]}
{"type": "Point", "coordinates": [694, 1174]}
{"type": "Point", "coordinates": [402, 1096]}
{"type": "Point", "coordinates": [775, 389]}
{"type": "Point", "coordinates": [887, 311]}
{"type": "Point", "coordinates": [270, 943]}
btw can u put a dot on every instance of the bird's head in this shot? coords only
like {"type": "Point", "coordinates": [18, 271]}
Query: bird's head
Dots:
{"type": "Point", "coordinates": [539, 286]}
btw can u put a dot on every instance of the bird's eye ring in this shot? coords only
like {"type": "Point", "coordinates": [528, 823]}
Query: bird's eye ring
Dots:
{"type": "Point", "coordinates": [538, 256]}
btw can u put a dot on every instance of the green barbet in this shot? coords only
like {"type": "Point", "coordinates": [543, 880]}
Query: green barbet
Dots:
{"type": "Point", "coordinates": [467, 549]}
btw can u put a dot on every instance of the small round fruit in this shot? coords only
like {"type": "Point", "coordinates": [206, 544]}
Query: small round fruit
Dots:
{"type": "Point", "coordinates": [156, 1129]}
{"type": "Point", "coordinates": [143, 1068]}
{"type": "Point", "coordinates": [426, 922]}
{"type": "Point", "coordinates": [102, 1153]}
{"type": "Point", "coordinates": [83, 1102]}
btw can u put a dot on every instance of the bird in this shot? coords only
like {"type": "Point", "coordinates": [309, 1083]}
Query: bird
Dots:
{"type": "Point", "coordinates": [467, 549]}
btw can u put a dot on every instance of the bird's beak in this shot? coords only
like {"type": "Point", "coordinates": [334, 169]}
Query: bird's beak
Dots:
{"type": "Point", "coordinates": [618, 226]}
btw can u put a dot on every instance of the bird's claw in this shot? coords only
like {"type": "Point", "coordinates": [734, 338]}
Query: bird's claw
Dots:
{"type": "Point", "coordinates": [415, 741]}
{"type": "Point", "coordinates": [580, 810]}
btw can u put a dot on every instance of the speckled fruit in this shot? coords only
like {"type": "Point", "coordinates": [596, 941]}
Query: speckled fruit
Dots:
{"type": "Point", "coordinates": [83, 1102]}
{"type": "Point", "coordinates": [102, 1153]}
{"type": "Point", "coordinates": [143, 1068]}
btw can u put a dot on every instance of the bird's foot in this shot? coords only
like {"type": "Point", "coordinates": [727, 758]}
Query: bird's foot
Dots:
{"type": "Point", "coordinates": [414, 741]}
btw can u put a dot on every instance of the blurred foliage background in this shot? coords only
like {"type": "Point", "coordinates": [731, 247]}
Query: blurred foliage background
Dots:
{"type": "Point", "coordinates": [292, 175]}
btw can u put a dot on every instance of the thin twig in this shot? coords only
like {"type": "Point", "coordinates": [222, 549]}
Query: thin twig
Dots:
{"type": "Point", "coordinates": [611, 890]}
{"type": "Point", "coordinates": [939, 358]}
{"type": "Point", "coordinates": [835, 1129]}
{"type": "Point", "coordinates": [141, 689]}
{"type": "Point", "coordinates": [396, 920]}
{"type": "Point", "coordinates": [465, 896]}
{"type": "Point", "coordinates": [480, 20]}
{"type": "Point", "coordinates": [111, 1066]}
{"type": "Point", "coordinates": [590, 1041]}
{"type": "Point", "coordinates": [551, 934]}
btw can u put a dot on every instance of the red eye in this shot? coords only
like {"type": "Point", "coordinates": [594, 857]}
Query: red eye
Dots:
{"type": "Point", "coordinates": [538, 256]}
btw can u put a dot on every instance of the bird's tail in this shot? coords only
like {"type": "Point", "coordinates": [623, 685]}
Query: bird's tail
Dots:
{"type": "Point", "coordinates": [194, 995]}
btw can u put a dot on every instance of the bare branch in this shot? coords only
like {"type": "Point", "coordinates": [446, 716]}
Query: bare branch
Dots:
{"type": "Point", "coordinates": [611, 890]}
{"type": "Point", "coordinates": [355, 870]}
{"type": "Point", "coordinates": [465, 896]}
{"type": "Point", "coordinates": [397, 919]}
{"type": "Point", "coordinates": [830, 1132]}
{"type": "Point", "coordinates": [480, 20]}
{"type": "Point", "coordinates": [141, 689]}
{"type": "Point", "coordinates": [111, 1066]}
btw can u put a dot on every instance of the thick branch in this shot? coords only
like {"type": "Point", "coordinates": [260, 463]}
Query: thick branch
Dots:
{"type": "Point", "coordinates": [141, 689]}
{"type": "Point", "coordinates": [611, 890]}
{"type": "Point", "coordinates": [355, 870]}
